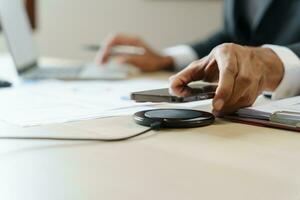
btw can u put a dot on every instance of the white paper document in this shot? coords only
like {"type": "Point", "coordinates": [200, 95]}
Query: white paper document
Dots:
{"type": "Point", "coordinates": [49, 102]}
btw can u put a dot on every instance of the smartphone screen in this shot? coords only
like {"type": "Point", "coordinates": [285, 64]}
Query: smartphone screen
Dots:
{"type": "Point", "coordinates": [187, 94]}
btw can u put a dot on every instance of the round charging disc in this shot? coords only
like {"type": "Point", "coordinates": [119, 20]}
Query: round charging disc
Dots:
{"type": "Point", "coordinates": [173, 114]}
{"type": "Point", "coordinates": [174, 118]}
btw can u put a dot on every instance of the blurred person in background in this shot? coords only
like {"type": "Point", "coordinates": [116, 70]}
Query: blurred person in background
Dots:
{"type": "Point", "coordinates": [257, 50]}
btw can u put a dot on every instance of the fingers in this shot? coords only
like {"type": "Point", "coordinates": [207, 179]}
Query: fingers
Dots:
{"type": "Point", "coordinates": [193, 72]}
{"type": "Point", "coordinates": [247, 85]}
{"type": "Point", "coordinates": [247, 98]}
{"type": "Point", "coordinates": [183, 91]}
{"type": "Point", "coordinates": [227, 64]}
{"type": "Point", "coordinates": [115, 41]}
{"type": "Point", "coordinates": [240, 77]}
{"type": "Point", "coordinates": [240, 81]}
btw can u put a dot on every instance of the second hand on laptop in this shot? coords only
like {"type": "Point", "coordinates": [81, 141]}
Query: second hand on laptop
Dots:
{"type": "Point", "coordinates": [26, 57]}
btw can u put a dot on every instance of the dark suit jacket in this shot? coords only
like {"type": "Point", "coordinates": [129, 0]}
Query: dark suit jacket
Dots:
{"type": "Point", "coordinates": [278, 23]}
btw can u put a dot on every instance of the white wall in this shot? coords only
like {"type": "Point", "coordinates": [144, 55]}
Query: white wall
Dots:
{"type": "Point", "coordinates": [65, 25]}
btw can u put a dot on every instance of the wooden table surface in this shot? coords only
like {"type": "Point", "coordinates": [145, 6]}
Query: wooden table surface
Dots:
{"type": "Point", "coordinates": [226, 161]}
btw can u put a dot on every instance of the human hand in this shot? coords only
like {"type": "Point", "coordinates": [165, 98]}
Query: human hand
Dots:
{"type": "Point", "coordinates": [149, 61]}
{"type": "Point", "coordinates": [242, 73]}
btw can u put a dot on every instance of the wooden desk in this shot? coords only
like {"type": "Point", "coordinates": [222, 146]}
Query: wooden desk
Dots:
{"type": "Point", "coordinates": [225, 161]}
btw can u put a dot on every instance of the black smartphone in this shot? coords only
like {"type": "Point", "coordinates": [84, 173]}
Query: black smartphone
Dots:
{"type": "Point", "coordinates": [190, 94]}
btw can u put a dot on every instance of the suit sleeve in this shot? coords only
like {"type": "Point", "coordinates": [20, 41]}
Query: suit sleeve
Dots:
{"type": "Point", "coordinates": [183, 55]}
{"type": "Point", "coordinates": [295, 48]}
{"type": "Point", "coordinates": [204, 48]}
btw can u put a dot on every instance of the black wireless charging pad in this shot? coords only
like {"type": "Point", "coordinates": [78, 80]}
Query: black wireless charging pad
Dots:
{"type": "Point", "coordinates": [174, 118]}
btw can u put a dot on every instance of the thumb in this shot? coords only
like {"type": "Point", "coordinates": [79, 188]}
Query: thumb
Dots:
{"type": "Point", "coordinates": [194, 72]}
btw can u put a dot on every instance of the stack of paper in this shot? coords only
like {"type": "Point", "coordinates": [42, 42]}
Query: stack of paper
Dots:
{"type": "Point", "coordinates": [265, 111]}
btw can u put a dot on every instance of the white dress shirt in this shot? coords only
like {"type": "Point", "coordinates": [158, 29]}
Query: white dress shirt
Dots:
{"type": "Point", "coordinates": [183, 55]}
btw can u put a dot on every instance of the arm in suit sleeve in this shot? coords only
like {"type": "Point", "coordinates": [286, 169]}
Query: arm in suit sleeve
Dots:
{"type": "Point", "coordinates": [204, 48]}
{"type": "Point", "coordinates": [183, 55]}
{"type": "Point", "coordinates": [295, 48]}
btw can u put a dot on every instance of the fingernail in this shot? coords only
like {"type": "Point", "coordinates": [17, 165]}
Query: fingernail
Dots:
{"type": "Point", "coordinates": [171, 78]}
{"type": "Point", "coordinates": [218, 105]}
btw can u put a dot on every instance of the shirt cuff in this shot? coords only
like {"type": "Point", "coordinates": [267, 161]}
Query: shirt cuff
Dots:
{"type": "Point", "coordinates": [290, 83]}
{"type": "Point", "coordinates": [182, 55]}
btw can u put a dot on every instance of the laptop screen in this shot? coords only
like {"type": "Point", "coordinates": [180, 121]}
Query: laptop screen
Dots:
{"type": "Point", "coordinates": [16, 27]}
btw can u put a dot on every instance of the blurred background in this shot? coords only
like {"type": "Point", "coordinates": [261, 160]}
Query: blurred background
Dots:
{"type": "Point", "coordinates": [63, 27]}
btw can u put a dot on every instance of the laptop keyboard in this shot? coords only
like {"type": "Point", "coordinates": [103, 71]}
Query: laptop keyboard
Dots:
{"type": "Point", "coordinates": [55, 73]}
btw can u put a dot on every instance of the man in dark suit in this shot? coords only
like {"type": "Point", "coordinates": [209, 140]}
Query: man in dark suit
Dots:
{"type": "Point", "coordinates": [257, 50]}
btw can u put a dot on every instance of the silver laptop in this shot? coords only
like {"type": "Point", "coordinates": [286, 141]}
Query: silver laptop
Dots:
{"type": "Point", "coordinates": [16, 27]}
